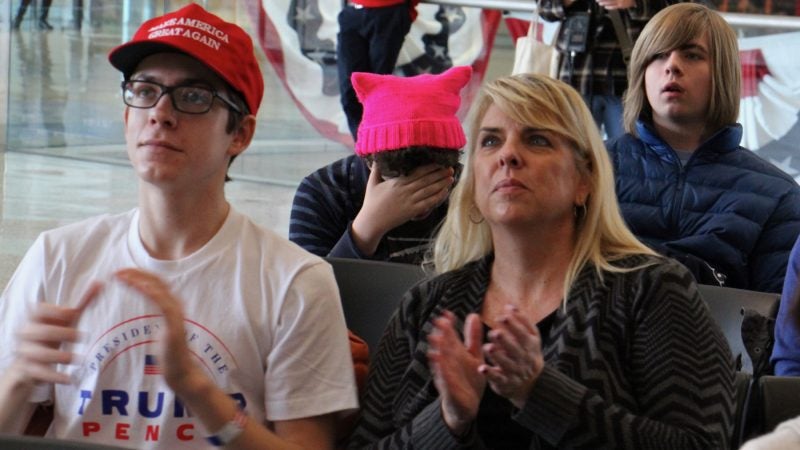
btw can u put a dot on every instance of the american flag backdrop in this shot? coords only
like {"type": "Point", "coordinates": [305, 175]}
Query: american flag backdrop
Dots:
{"type": "Point", "coordinates": [771, 99]}
{"type": "Point", "coordinates": [299, 39]}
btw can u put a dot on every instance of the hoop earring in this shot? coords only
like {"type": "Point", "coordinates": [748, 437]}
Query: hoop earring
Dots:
{"type": "Point", "coordinates": [473, 210]}
{"type": "Point", "coordinates": [579, 211]}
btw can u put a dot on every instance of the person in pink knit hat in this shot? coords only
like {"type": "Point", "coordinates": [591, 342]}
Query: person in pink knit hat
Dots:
{"type": "Point", "coordinates": [385, 201]}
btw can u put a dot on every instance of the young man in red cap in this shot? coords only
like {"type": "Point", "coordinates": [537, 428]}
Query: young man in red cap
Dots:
{"type": "Point", "coordinates": [386, 201]}
{"type": "Point", "coordinates": [237, 341]}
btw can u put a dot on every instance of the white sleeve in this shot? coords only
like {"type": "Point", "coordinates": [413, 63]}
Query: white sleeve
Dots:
{"type": "Point", "coordinates": [310, 368]}
{"type": "Point", "coordinates": [786, 435]}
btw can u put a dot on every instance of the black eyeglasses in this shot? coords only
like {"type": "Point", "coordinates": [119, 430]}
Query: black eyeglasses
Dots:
{"type": "Point", "coordinates": [188, 99]}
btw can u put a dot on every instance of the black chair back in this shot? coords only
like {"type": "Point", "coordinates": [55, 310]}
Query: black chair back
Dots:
{"type": "Point", "coordinates": [779, 400]}
{"type": "Point", "coordinates": [727, 307]}
{"type": "Point", "coordinates": [744, 386]}
{"type": "Point", "coordinates": [370, 292]}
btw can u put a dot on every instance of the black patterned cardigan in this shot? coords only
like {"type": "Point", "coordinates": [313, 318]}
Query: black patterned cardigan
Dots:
{"type": "Point", "coordinates": [635, 362]}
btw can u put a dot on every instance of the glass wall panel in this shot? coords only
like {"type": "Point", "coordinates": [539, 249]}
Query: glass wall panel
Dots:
{"type": "Point", "coordinates": [5, 20]}
{"type": "Point", "coordinates": [64, 100]}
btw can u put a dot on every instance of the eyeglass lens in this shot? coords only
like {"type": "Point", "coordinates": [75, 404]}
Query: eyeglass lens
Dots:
{"type": "Point", "coordinates": [188, 99]}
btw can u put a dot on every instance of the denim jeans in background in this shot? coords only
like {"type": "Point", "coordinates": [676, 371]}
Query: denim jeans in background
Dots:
{"type": "Point", "coordinates": [607, 113]}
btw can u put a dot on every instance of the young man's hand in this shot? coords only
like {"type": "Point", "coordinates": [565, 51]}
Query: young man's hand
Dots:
{"type": "Point", "coordinates": [174, 358]}
{"type": "Point", "coordinates": [39, 352]}
{"type": "Point", "coordinates": [392, 202]}
{"type": "Point", "coordinates": [41, 340]}
{"type": "Point", "coordinates": [207, 401]}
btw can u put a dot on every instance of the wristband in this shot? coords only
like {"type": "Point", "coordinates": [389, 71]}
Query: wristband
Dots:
{"type": "Point", "coordinates": [229, 431]}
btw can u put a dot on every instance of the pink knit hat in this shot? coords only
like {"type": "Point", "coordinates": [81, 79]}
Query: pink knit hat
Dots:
{"type": "Point", "coordinates": [401, 112]}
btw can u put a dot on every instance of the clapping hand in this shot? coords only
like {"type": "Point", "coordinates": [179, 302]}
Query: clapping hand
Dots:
{"type": "Point", "coordinates": [455, 369]}
{"type": "Point", "coordinates": [510, 363]}
{"type": "Point", "coordinates": [514, 355]}
{"type": "Point", "coordinates": [174, 357]}
{"type": "Point", "coordinates": [41, 339]}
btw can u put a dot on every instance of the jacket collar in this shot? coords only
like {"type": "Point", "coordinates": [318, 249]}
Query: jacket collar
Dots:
{"type": "Point", "coordinates": [725, 140]}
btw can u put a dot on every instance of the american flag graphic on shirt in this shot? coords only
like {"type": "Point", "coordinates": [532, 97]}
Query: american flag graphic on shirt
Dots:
{"type": "Point", "coordinates": [150, 365]}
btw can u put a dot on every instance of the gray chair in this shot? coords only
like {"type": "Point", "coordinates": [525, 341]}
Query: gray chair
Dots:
{"type": "Point", "coordinates": [370, 292]}
{"type": "Point", "coordinates": [727, 307]}
{"type": "Point", "coordinates": [778, 400]}
{"type": "Point", "coordinates": [13, 442]}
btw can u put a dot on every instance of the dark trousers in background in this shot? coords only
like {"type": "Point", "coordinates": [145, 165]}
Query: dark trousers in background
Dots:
{"type": "Point", "coordinates": [77, 14]}
{"type": "Point", "coordinates": [607, 113]}
{"type": "Point", "coordinates": [23, 6]}
{"type": "Point", "coordinates": [370, 40]}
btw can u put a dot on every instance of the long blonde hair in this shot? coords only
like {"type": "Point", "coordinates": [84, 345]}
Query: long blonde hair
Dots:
{"type": "Point", "coordinates": [670, 29]}
{"type": "Point", "coordinates": [547, 104]}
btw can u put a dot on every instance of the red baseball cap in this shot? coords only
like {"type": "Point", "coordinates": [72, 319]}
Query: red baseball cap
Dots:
{"type": "Point", "coordinates": [222, 46]}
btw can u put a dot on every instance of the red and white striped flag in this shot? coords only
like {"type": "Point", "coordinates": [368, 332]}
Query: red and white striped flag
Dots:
{"type": "Point", "coordinates": [299, 39]}
{"type": "Point", "coordinates": [771, 98]}
{"type": "Point", "coordinates": [151, 366]}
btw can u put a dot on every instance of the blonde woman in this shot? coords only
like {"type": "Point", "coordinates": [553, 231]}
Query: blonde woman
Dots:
{"type": "Point", "coordinates": [574, 333]}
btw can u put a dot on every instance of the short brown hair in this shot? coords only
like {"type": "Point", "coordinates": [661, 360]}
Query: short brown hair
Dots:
{"type": "Point", "coordinates": [404, 160]}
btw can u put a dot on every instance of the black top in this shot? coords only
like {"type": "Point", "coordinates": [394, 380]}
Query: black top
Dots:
{"type": "Point", "coordinates": [495, 427]}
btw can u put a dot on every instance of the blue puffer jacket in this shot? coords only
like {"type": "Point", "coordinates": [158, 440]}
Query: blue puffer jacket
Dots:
{"type": "Point", "coordinates": [726, 206]}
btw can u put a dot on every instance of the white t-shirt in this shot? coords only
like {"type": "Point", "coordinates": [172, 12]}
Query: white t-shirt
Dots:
{"type": "Point", "coordinates": [262, 317]}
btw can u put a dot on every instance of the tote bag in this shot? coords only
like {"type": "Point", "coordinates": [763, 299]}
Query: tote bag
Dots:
{"type": "Point", "coordinates": [532, 55]}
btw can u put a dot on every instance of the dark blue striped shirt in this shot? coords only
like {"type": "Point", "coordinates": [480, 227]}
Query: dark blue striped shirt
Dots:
{"type": "Point", "coordinates": [329, 199]}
